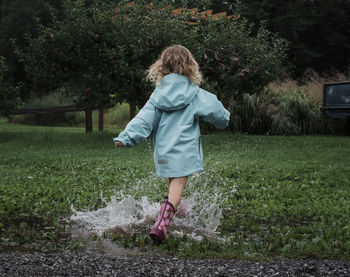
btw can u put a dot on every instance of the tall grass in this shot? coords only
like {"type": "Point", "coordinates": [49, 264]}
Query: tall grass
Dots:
{"type": "Point", "coordinates": [286, 108]}
{"type": "Point", "coordinates": [284, 113]}
{"type": "Point", "coordinates": [116, 117]}
{"type": "Point", "coordinates": [311, 84]}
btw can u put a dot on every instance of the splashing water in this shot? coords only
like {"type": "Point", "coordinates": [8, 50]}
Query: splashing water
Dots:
{"type": "Point", "coordinates": [125, 215]}
{"type": "Point", "coordinates": [137, 216]}
{"type": "Point", "coordinates": [203, 218]}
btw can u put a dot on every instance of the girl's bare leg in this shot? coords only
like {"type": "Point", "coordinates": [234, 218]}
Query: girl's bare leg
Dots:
{"type": "Point", "coordinates": [169, 181]}
{"type": "Point", "coordinates": [175, 189]}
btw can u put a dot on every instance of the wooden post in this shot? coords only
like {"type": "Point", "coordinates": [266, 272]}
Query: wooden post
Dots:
{"type": "Point", "coordinates": [88, 120]}
{"type": "Point", "coordinates": [100, 119]}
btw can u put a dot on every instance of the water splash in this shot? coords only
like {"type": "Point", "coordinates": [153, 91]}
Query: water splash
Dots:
{"type": "Point", "coordinates": [205, 195]}
{"type": "Point", "coordinates": [127, 215]}
{"type": "Point", "coordinates": [203, 217]}
{"type": "Point", "coordinates": [137, 216]}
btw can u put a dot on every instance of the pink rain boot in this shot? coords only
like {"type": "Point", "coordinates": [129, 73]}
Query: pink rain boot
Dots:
{"type": "Point", "coordinates": [167, 211]}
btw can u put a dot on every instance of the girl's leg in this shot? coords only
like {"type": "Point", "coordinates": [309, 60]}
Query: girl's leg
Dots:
{"type": "Point", "coordinates": [168, 208]}
{"type": "Point", "coordinates": [175, 189]}
{"type": "Point", "coordinates": [169, 181]}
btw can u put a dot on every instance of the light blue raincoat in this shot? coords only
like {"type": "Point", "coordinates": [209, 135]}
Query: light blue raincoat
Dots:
{"type": "Point", "coordinates": [172, 113]}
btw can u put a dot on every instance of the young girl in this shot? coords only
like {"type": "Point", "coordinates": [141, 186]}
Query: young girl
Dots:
{"type": "Point", "coordinates": [172, 114]}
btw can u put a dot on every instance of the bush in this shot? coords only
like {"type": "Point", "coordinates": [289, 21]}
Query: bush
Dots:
{"type": "Point", "coordinates": [236, 62]}
{"type": "Point", "coordinates": [288, 112]}
{"type": "Point", "coordinates": [287, 107]}
{"type": "Point", "coordinates": [311, 84]}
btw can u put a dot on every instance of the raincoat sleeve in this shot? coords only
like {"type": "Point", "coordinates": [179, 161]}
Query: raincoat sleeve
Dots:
{"type": "Point", "coordinates": [139, 128]}
{"type": "Point", "coordinates": [211, 109]}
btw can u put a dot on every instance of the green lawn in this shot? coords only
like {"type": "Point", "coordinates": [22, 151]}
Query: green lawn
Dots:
{"type": "Point", "coordinates": [280, 196]}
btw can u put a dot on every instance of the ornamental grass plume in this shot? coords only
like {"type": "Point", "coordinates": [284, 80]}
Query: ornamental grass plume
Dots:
{"type": "Point", "coordinates": [310, 84]}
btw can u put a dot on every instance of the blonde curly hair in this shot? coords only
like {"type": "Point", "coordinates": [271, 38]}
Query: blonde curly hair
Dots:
{"type": "Point", "coordinates": [175, 59]}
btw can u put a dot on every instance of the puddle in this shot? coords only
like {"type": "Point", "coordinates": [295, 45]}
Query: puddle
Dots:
{"type": "Point", "coordinates": [132, 216]}
{"type": "Point", "coordinates": [127, 215]}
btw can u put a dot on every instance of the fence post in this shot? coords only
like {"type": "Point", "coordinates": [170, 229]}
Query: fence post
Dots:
{"type": "Point", "coordinates": [100, 119]}
{"type": "Point", "coordinates": [88, 119]}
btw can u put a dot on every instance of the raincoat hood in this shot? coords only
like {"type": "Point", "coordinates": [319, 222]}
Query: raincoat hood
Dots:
{"type": "Point", "coordinates": [175, 92]}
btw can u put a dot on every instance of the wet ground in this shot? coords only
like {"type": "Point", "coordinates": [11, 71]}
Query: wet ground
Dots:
{"type": "Point", "coordinates": [104, 258]}
{"type": "Point", "coordinates": [88, 263]}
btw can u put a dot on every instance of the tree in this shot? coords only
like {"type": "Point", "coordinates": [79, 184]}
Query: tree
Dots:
{"type": "Point", "coordinates": [143, 31]}
{"type": "Point", "coordinates": [235, 61]}
{"type": "Point", "coordinates": [100, 51]}
{"type": "Point", "coordinates": [9, 95]}
{"type": "Point", "coordinates": [318, 30]}
{"type": "Point", "coordinates": [221, 6]}
{"type": "Point", "coordinates": [76, 52]}
{"type": "Point", "coordinates": [19, 18]}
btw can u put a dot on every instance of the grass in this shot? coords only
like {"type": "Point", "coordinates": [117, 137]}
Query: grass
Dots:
{"type": "Point", "coordinates": [290, 198]}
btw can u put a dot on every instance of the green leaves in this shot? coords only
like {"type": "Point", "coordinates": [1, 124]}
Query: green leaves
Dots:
{"type": "Point", "coordinates": [296, 21]}
{"type": "Point", "coordinates": [239, 61]}
{"type": "Point", "coordinates": [100, 50]}
{"type": "Point", "coordinates": [74, 53]}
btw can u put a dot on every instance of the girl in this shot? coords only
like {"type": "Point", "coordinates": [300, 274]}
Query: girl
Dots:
{"type": "Point", "coordinates": [172, 114]}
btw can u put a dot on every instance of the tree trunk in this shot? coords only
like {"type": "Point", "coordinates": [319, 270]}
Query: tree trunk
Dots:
{"type": "Point", "coordinates": [88, 120]}
{"type": "Point", "coordinates": [132, 112]}
{"type": "Point", "coordinates": [100, 119]}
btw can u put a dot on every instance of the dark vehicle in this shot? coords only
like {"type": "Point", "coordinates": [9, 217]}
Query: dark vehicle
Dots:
{"type": "Point", "coordinates": [336, 100]}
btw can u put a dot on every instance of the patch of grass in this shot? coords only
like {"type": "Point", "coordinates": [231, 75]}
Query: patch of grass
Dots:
{"type": "Point", "coordinates": [280, 196]}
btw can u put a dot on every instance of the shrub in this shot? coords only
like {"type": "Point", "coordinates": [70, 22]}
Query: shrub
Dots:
{"type": "Point", "coordinates": [235, 61]}
{"type": "Point", "coordinates": [286, 107]}
{"type": "Point", "coordinates": [288, 112]}
{"type": "Point", "coordinates": [311, 84]}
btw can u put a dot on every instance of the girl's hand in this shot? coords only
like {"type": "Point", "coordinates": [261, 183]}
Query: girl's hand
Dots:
{"type": "Point", "coordinates": [118, 143]}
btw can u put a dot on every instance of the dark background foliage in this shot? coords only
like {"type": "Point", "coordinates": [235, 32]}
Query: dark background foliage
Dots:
{"type": "Point", "coordinates": [99, 62]}
{"type": "Point", "coordinates": [319, 30]}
